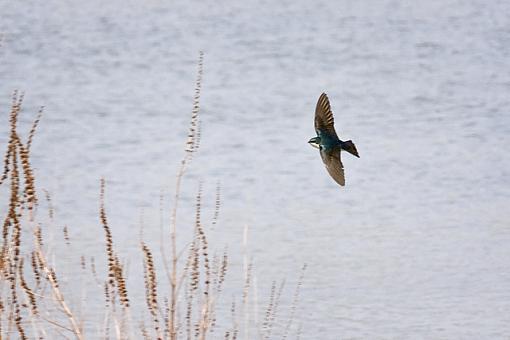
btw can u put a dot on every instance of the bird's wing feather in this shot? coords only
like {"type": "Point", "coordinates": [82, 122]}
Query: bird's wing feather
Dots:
{"type": "Point", "coordinates": [324, 117]}
{"type": "Point", "coordinates": [334, 165]}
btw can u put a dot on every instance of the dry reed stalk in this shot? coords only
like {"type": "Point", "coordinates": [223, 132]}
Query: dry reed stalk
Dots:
{"type": "Point", "coordinates": [151, 294]}
{"type": "Point", "coordinates": [29, 192]}
{"type": "Point", "coordinates": [162, 237]}
{"type": "Point", "coordinates": [116, 323]}
{"type": "Point", "coordinates": [193, 282]}
{"type": "Point", "coordinates": [121, 283]}
{"type": "Point", "coordinates": [207, 304]}
{"type": "Point", "coordinates": [51, 210]}
{"type": "Point", "coordinates": [272, 309]}
{"type": "Point", "coordinates": [11, 246]}
{"type": "Point", "coordinates": [2, 309]}
{"type": "Point", "coordinates": [94, 271]}
{"type": "Point", "coordinates": [223, 271]}
{"type": "Point", "coordinates": [217, 205]}
{"type": "Point", "coordinates": [219, 273]}
{"type": "Point", "coordinates": [51, 277]}
{"type": "Point", "coordinates": [54, 323]}
{"type": "Point", "coordinates": [247, 269]}
{"type": "Point", "coordinates": [269, 310]}
{"type": "Point", "coordinates": [295, 301]}
{"type": "Point", "coordinates": [191, 147]}
{"type": "Point", "coordinates": [83, 263]}
{"type": "Point", "coordinates": [115, 268]}
{"type": "Point", "coordinates": [34, 127]}
{"type": "Point", "coordinates": [31, 297]}
{"type": "Point", "coordinates": [38, 236]}
{"type": "Point", "coordinates": [13, 136]}
{"type": "Point", "coordinates": [248, 272]}
{"type": "Point", "coordinates": [215, 270]}
{"type": "Point", "coordinates": [233, 332]}
{"type": "Point", "coordinates": [31, 301]}
{"type": "Point", "coordinates": [107, 298]}
{"type": "Point", "coordinates": [116, 282]}
{"type": "Point", "coordinates": [7, 159]}
{"type": "Point", "coordinates": [193, 142]}
{"type": "Point", "coordinates": [16, 305]}
{"type": "Point", "coordinates": [108, 235]}
{"type": "Point", "coordinates": [35, 268]}
{"type": "Point", "coordinates": [65, 231]}
{"type": "Point", "coordinates": [166, 314]}
{"type": "Point", "coordinates": [144, 331]}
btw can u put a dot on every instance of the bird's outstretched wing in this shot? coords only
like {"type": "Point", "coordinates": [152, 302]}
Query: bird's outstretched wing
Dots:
{"type": "Point", "coordinates": [334, 165]}
{"type": "Point", "coordinates": [324, 121]}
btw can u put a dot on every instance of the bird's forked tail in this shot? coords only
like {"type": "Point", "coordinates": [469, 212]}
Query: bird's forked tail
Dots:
{"type": "Point", "coordinates": [350, 147]}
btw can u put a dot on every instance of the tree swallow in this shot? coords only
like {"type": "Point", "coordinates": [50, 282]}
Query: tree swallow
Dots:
{"type": "Point", "coordinates": [327, 141]}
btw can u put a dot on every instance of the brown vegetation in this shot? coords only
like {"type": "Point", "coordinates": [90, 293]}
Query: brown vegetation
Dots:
{"type": "Point", "coordinates": [32, 299]}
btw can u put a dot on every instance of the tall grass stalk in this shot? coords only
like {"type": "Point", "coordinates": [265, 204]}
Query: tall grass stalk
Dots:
{"type": "Point", "coordinates": [192, 145]}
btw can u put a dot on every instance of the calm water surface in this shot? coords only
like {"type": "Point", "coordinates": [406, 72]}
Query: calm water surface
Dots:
{"type": "Point", "coordinates": [417, 243]}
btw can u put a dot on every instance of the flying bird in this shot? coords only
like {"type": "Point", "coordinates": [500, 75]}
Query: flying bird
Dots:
{"type": "Point", "coordinates": [327, 141]}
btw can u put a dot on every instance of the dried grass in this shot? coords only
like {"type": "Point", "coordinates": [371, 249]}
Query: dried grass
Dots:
{"type": "Point", "coordinates": [36, 303]}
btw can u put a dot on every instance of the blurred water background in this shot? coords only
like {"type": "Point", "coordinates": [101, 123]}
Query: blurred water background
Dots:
{"type": "Point", "coordinates": [416, 245]}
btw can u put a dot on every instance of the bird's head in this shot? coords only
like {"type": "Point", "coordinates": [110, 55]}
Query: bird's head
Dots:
{"type": "Point", "coordinates": [315, 142]}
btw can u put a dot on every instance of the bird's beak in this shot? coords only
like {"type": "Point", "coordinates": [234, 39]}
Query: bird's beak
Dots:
{"type": "Point", "coordinates": [313, 143]}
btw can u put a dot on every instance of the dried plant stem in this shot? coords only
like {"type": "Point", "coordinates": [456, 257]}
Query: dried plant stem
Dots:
{"type": "Point", "coordinates": [30, 299]}
{"type": "Point", "coordinates": [191, 147]}
{"type": "Point", "coordinates": [52, 278]}
{"type": "Point", "coordinates": [151, 294]}
{"type": "Point", "coordinates": [272, 309]}
{"type": "Point", "coordinates": [295, 301]}
{"type": "Point", "coordinates": [206, 311]}
{"type": "Point", "coordinates": [115, 268]}
{"type": "Point", "coordinates": [56, 324]}
{"type": "Point", "coordinates": [247, 269]}
{"type": "Point", "coordinates": [34, 127]}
